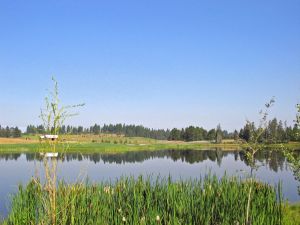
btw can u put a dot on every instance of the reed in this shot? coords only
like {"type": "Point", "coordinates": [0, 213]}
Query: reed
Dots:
{"type": "Point", "coordinates": [151, 200]}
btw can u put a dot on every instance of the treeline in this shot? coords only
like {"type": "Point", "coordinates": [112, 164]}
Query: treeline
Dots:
{"type": "Point", "coordinates": [120, 129]}
{"type": "Point", "coordinates": [136, 131]}
{"type": "Point", "coordinates": [276, 132]}
{"type": "Point", "coordinates": [192, 133]}
{"type": "Point", "coordinates": [10, 132]}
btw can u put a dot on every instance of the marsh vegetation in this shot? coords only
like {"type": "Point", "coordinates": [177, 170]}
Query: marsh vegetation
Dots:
{"type": "Point", "coordinates": [142, 201]}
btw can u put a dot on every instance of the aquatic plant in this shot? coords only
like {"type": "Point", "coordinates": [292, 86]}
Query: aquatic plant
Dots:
{"type": "Point", "coordinates": [151, 200]}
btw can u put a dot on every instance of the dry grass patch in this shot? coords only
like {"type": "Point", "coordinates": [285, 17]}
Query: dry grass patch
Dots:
{"type": "Point", "coordinates": [17, 141]}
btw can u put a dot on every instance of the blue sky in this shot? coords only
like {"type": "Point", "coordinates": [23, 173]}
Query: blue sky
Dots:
{"type": "Point", "coordinates": [162, 64]}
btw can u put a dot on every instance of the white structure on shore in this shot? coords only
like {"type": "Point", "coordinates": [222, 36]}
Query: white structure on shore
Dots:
{"type": "Point", "coordinates": [49, 137]}
{"type": "Point", "coordinates": [49, 154]}
{"type": "Point", "coordinates": [52, 138]}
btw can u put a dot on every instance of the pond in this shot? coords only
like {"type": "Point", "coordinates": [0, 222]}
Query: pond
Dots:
{"type": "Point", "coordinates": [180, 164]}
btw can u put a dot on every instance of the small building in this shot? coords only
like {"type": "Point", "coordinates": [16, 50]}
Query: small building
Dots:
{"type": "Point", "coordinates": [49, 137]}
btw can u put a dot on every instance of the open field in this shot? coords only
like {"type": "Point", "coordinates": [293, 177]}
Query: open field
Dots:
{"type": "Point", "coordinates": [118, 143]}
{"type": "Point", "coordinates": [17, 141]}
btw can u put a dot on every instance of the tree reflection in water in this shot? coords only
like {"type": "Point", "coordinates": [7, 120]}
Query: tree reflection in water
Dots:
{"type": "Point", "coordinates": [273, 159]}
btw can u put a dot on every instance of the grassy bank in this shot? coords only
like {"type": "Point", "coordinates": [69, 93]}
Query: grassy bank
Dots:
{"type": "Point", "coordinates": [142, 201]}
{"type": "Point", "coordinates": [92, 147]}
{"type": "Point", "coordinates": [106, 143]}
{"type": "Point", "coordinates": [291, 213]}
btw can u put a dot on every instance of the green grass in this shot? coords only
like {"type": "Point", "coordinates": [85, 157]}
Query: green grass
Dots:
{"type": "Point", "coordinates": [110, 143]}
{"type": "Point", "coordinates": [291, 214]}
{"type": "Point", "coordinates": [150, 201]}
{"type": "Point", "coordinates": [115, 147]}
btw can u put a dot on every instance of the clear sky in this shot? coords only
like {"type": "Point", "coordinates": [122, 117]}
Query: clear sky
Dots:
{"type": "Point", "coordinates": [162, 64]}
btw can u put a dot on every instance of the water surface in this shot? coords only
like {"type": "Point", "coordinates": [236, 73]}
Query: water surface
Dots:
{"type": "Point", "coordinates": [180, 164]}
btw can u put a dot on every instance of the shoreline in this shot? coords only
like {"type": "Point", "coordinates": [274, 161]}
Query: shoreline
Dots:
{"type": "Point", "coordinates": [94, 147]}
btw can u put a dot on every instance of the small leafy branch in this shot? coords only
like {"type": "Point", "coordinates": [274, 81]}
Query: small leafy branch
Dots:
{"type": "Point", "coordinates": [253, 145]}
{"type": "Point", "coordinates": [292, 157]}
{"type": "Point", "coordinates": [298, 115]}
{"type": "Point", "coordinates": [256, 134]}
{"type": "Point", "coordinates": [53, 116]}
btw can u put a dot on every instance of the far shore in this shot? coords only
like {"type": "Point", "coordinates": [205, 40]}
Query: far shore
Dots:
{"type": "Point", "coordinates": [118, 144]}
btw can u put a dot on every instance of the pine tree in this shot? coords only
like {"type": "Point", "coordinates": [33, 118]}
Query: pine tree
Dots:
{"type": "Point", "coordinates": [16, 132]}
{"type": "Point", "coordinates": [219, 134]}
{"type": "Point", "coordinates": [235, 135]}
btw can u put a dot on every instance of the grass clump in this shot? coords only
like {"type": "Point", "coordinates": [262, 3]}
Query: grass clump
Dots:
{"type": "Point", "coordinates": [150, 201]}
{"type": "Point", "coordinates": [291, 214]}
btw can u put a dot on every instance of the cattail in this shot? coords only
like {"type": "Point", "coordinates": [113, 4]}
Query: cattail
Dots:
{"type": "Point", "coordinates": [157, 218]}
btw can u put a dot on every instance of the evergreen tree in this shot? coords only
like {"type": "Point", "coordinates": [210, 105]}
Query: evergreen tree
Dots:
{"type": "Point", "coordinates": [69, 129]}
{"type": "Point", "coordinates": [41, 129]}
{"type": "Point", "coordinates": [219, 134]}
{"type": "Point", "coordinates": [235, 135]}
{"type": "Point", "coordinates": [63, 129]}
{"type": "Point", "coordinates": [211, 135]}
{"type": "Point", "coordinates": [16, 132]}
{"type": "Point", "coordinates": [7, 132]}
{"type": "Point", "coordinates": [280, 133]}
{"type": "Point", "coordinates": [175, 134]}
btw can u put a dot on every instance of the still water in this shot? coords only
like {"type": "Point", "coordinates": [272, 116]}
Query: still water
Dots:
{"type": "Point", "coordinates": [183, 164]}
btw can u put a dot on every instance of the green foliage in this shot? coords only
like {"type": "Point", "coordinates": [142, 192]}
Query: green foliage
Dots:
{"type": "Point", "coordinates": [150, 201]}
{"type": "Point", "coordinates": [211, 135]}
{"type": "Point", "coordinates": [235, 135]}
{"type": "Point", "coordinates": [291, 155]}
{"type": "Point", "coordinates": [291, 214]}
{"type": "Point", "coordinates": [9, 132]}
{"type": "Point", "coordinates": [298, 114]}
{"type": "Point", "coordinates": [106, 146]}
{"type": "Point", "coordinates": [252, 136]}
{"type": "Point", "coordinates": [135, 131]}
{"type": "Point", "coordinates": [53, 114]}
{"type": "Point", "coordinates": [273, 132]}
{"type": "Point", "coordinates": [219, 134]}
{"type": "Point", "coordinates": [175, 134]}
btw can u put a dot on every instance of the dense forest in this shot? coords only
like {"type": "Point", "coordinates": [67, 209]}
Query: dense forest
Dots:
{"type": "Point", "coordinates": [10, 132]}
{"type": "Point", "coordinates": [120, 129]}
{"type": "Point", "coordinates": [276, 132]}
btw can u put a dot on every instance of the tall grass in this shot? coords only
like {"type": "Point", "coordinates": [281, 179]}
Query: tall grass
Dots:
{"type": "Point", "coordinates": [150, 201]}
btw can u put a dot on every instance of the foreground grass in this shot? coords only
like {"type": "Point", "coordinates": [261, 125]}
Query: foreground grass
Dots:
{"type": "Point", "coordinates": [291, 214]}
{"type": "Point", "coordinates": [144, 201]}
